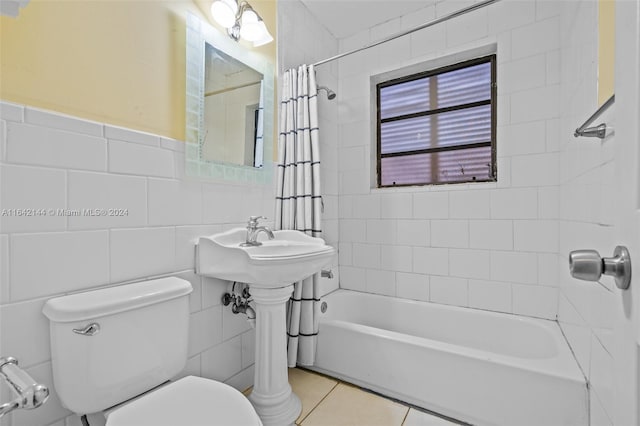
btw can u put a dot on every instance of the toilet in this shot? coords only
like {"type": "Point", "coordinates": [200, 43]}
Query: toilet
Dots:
{"type": "Point", "coordinates": [115, 349]}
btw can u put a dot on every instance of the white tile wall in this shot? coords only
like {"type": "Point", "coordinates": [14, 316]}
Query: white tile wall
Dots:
{"type": "Point", "coordinates": [496, 238]}
{"type": "Point", "coordinates": [586, 310]}
{"type": "Point", "coordinates": [55, 161]}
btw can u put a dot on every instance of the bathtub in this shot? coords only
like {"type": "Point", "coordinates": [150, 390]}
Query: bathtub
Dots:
{"type": "Point", "coordinates": [479, 367]}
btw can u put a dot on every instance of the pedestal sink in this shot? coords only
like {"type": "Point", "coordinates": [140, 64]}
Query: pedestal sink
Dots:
{"type": "Point", "coordinates": [269, 269]}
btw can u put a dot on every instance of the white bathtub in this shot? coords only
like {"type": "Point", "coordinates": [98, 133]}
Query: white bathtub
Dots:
{"type": "Point", "coordinates": [480, 367]}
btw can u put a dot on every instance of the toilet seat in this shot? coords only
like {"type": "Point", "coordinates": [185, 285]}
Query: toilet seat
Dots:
{"type": "Point", "coordinates": [190, 401]}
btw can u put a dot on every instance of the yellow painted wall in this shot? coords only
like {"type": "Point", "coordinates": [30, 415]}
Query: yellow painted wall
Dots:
{"type": "Point", "coordinates": [119, 62]}
{"type": "Point", "coordinates": [606, 49]}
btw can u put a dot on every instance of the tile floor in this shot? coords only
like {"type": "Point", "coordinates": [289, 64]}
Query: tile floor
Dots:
{"type": "Point", "coordinates": [330, 402]}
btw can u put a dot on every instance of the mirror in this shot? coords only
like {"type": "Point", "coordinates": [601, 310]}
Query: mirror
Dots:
{"type": "Point", "coordinates": [229, 107]}
{"type": "Point", "coordinates": [232, 110]}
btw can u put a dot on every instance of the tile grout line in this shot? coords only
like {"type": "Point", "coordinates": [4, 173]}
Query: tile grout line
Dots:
{"type": "Point", "coordinates": [321, 401]}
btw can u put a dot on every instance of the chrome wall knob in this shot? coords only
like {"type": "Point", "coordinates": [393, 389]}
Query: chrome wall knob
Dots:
{"type": "Point", "coordinates": [587, 265]}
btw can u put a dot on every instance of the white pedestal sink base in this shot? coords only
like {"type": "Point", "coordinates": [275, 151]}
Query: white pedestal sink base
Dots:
{"type": "Point", "coordinates": [272, 397]}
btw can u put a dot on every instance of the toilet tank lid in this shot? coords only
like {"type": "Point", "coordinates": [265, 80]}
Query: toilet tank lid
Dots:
{"type": "Point", "coordinates": [112, 300]}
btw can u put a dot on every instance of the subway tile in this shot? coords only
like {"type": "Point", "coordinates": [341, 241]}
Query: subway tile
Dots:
{"type": "Point", "coordinates": [248, 348]}
{"type": "Point", "coordinates": [366, 255]}
{"type": "Point", "coordinates": [539, 37]}
{"type": "Point", "coordinates": [353, 230]}
{"type": "Point", "coordinates": [548, 267]}
{"type": "Point", "coordinates": [366, 206]}
{"type": "Point", "coordinates": [553, 67]}
{"type": "Point", "coordinates": [429, 260]}
{"type": "Point", "coordinates": [191, 369]}
{"type": "Point", "coordinates": [547, 9]}
{"type": "Point", "coordinates": [466, 28]}
{"type": "Point", "coordinates": [36, 192]}
{"type": "Point", "coordinates": [549, 202]}
{"type": "Point", "coordinates": [540, 103]}
{"type": "Point", "coordinates": [535, 301]}
{"type": "Point", "coordinates": [412, 286]}
{"type": "Point", "coordinates": [351, 158]}
{"type": "Point", "coordinates": [470, 263]}
{"type": "Point", "coordinates": [449, 291]}
{"type": "Point", "coordinates": [521, 203]}
{"type": "Point", "coordinates": [576, 331]}
{"type": "Point", "coordinates": [123, 198]}
{"type": "Point", "coordinates": [411, 232]}
{"type": "Point", "coordinates": [141, 252]}
{"type": "Point", "coordinates": [396, 258]}
{"type": "Point", "coordinates": [514, 267]}
{"type": "Point", "coordinates": [233, 324]}
{"type": "Point", "coordinates": [66, 261]}
{"type": "Point", "coordinates": [3, 139]}
{"type": "Point", "coordinates": [602, 375]}
{"type": "Point", "coordinates": [345, 253]}
{"type": "Point", "coordinates": [186, 240]}
{"type": "Point", "coordinates": [598, 416]}
{"type": "Point", "coordinates": [205, 330]}
{"type": "Point", "coordinates": [522, 139]}
{"type": "Point", "coordinates": [59, 121]}
{"type": "Point", "coordinates": [28, 144]}
{"type": "Point", "coordinates": [450, 233]}
{"type": "Point", "coordinates": [354, 133]}
{"type": "Point", "coordinates": [172, 144]}
{"type": "Point", "coordinates": [431, 205]}
{"type": "Point", "coordinates": [174, 202]}
{"type": "Point", "coordinates": [490, 295]}
{"type": "Point", "coordinates": [212, 291]}
{"type": "Point", "coordinates": [354, 182]}
{"type": "Point", "coordinates": [427, 42]}
{"type": "Point", "coordinates": [491, 234]}
{"type": "Point", "coordinates": [381, 282]}
{"type": "Point", "coordinates": [381, 231]}
{"type": "Point", "coordinates": [352, 278]}
{"type": "Point", "coordinates": [222, 361]}
{"type": "Point", "coordinates": [128, 135]}
{"type": "Point", "coordinates": [11, 112]}
{"type": "Point", "coordinates": [243, 380]}
{"type": "Point", "coordinates": [470, 204]}
{"type": "Point", "coordinates": [507, 15]}
{"type": "Point", "coordinates": [535, 170]}
{"type": "Point", "coordinates": [396, 206]}
{"type": "Point", "coordinates": [25, 332]}
{"type": "Point", "coordinates": [133, 158]}
{"type": "Point", "coordinates": [536, 235]}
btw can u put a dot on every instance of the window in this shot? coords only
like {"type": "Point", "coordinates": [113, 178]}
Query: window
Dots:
{"type": "Point", "coordinates": [438, 126]}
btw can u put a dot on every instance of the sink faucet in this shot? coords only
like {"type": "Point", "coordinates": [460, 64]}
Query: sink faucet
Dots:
{"type": "Point", "coordinates": [253, 230]}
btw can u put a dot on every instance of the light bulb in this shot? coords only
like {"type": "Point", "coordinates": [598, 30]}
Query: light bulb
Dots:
{"type": "Point", "coordinates": [252, 29]}
{"type": "Point", "coordinates": [224, 12]}
{"type": "Point", "coordinates": [266, 37]}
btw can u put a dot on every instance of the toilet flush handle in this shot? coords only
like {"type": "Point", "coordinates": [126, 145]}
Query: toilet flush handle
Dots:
{"type": "Point", "coordinates": [89, 330]}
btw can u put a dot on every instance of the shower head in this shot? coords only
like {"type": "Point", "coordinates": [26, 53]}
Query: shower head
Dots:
{"type": "Point", "coordinates": [330, 93]}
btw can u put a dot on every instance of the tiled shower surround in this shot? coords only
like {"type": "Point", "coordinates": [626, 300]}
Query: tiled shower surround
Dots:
{"type": "Point", "coordinates": [53, 163]}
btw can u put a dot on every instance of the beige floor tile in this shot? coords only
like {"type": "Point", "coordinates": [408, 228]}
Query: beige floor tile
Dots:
{"type": "Point", "coordinates": [310, 388]}
{"type": "Point", "coordinates": [350, 406]}
{"type": "Point", "coordinates": [419, 418]}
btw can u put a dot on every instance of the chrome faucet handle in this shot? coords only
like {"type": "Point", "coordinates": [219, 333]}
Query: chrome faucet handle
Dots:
{"type": "Point", "coordinates": [253, 221]}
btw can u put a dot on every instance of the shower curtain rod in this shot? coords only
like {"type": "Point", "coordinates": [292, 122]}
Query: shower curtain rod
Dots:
{"type": "Point", "coordinates": [412, 30]}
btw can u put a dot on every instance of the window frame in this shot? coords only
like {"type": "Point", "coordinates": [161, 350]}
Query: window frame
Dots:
{"type": "Point", "coordinates": [493, 177]}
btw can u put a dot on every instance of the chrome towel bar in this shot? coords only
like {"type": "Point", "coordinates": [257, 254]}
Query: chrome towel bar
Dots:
{"type": "Point", "coordinates": [29, 393]}
{"type": "Point", "coordinates": [599, 131]}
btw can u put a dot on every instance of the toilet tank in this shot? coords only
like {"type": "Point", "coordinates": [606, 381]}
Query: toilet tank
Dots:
{"type": "Point", "coordinates": [141, 343]}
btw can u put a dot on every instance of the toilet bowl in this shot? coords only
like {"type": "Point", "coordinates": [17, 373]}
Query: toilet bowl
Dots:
{"type": "Point", "coordinates": [113, 350]}
{"type": "Point", "coordinates": [192, 401]}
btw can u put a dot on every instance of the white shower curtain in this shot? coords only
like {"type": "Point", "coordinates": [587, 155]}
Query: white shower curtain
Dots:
{"type": "Point", "coordinates": [298, 200]}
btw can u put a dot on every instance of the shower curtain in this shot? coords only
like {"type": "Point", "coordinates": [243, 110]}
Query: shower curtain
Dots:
{"type": "Point", "coordinates": [298, 200]}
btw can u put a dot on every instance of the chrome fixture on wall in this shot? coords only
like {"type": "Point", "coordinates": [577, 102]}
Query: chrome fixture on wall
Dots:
{"type": "Point", "coordinates": [331, 95]}
{"type": "Point", "coordinates": [241, 21]}
{"type": "Point", "coordinates": [599, 131]}
{"type": "Point", "coordinates": [29, 393]}
{"type": "Point", "coordinates": [240, 303]}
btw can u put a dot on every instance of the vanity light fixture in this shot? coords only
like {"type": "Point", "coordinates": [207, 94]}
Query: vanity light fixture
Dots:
{"type": "Point", "coordinates": [241, 21]}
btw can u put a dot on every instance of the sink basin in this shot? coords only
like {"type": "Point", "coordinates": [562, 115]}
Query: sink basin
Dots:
{"type": "Point", "coordinates": [291, 256]}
